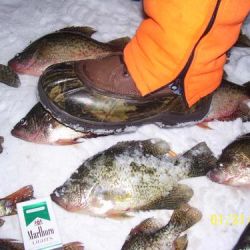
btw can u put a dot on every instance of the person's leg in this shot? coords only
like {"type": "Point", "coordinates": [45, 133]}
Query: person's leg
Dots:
{"type": "Point", "coordinates": [193, 34]}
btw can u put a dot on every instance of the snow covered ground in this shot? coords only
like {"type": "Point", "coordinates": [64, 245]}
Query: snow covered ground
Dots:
{"type": "Point", "coordinates": [46, 167]}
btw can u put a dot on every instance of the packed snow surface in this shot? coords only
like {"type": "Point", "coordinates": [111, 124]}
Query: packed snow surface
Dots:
{"type": "Point", "coordinates": [46, 167]}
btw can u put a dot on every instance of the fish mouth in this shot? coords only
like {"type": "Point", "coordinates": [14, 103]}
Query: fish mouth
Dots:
{"type": "Point", "coordinates": [19, 132]}
{"type": "Point", "coordinates": [25, 135]}
{"type": "Point", "coordinates": [218, 176]}
{"type": "Point", "coordinates": [27, 130]}
{"type": "Point", "coordinates": [15, 66]}
{"type": "Point", "coordinates": [222, 177]}
{"type": "Point", "coordinates": [23, 68]}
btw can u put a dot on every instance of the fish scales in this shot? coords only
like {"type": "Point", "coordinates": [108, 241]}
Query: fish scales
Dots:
{"type": "Point", "coordinates": [147, 175]}
{"type": "Point", "coordinates": [228, 102]}
{"type": "Point", "coordinates": [131, 176]}
{"type": "Point", "coordinates": [68, 44]}
{"type": "Point", "coordinates": [54, 46]}
{"type": "Point", "coordinates": [150, 234]}
{"type": "Point", "coordinates": [233, 166]}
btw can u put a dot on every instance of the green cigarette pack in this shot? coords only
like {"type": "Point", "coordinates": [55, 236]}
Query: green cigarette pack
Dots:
{"type": "Point", "coordinates": [38, 225]}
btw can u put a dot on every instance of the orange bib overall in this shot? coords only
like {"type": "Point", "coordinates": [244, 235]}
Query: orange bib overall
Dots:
{"type": "Point", "coordinates": [184, 41]}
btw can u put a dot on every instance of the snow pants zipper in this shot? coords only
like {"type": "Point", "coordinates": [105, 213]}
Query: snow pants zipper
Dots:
{"type": "Point", "coordinates": [177, 86]}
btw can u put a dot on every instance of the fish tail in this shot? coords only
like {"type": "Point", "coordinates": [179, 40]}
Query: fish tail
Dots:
{"type": "Point", "coordinates": [73, 246]}
{"type": "Point", "coordinates": [120, 43]}
{"type": "Point", "coordinates": [23, 194]}
{"type": "Point", "coordinates": [244, 111]}
{"type": "Point", "coordinates": [184, 217]}
{"type": "Point", "coordinates": [201, 160]}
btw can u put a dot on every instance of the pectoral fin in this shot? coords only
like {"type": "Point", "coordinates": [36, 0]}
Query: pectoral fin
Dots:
{"type": "Point", "coordinates": [203, 125]}
{"type": "Point", "coordinates": [180, 194]}
{"type": "Point", "coordinates": [118, 215]}
{"type": "Point", "coordinates": [171, 154]}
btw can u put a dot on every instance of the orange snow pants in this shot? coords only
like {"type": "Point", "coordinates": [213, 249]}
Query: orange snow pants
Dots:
{"type": "Point", "coordinates": [184, 41]}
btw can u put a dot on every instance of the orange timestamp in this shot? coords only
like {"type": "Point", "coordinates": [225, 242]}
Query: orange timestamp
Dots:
{"type": "Point", "coordinates": [229, 219]}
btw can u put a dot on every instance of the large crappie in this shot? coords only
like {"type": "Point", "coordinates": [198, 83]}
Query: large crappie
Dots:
{"type": "Point", "coordinates": [39, 126]}
{"type": "Point", "coordinates": [150, 234]}
{"type": "Point", "coordinates": [131, 176]}
{"type": "Point", "coordinates": [68, 44]}
{"type": "Point", "coordinates": [233, 166]}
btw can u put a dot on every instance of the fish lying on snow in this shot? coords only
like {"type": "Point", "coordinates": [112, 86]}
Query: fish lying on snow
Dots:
{"type": "Point", "coordinates": [151, 235]}
{"type": "Point", "coordinates": [131, 176]}
{"type": "Point", "coordinates": [8, 203]}
{"type": "Point", "coordinates": [9, 77]}
{"type": "Point", "coordinates": [1, 142]}
{"type": "Point", "coordinates": [233, 166]}
{"type": "Point", "coordinates": [244, 240]}
{"type": "Point", "coordinates": [10, 244]}
{"type": "Point", "coordinates": [39, 126]}
{"type": "Point", "coordinates": [68, 44]}
{"type": "Point", "coordinates": [230, 101]}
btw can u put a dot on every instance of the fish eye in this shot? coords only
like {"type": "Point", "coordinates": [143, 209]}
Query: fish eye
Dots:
{"type": "Point", "coordinates": [23, 121]}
